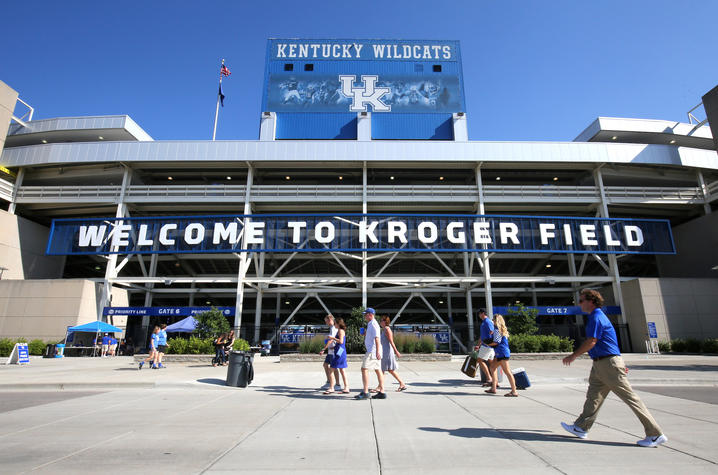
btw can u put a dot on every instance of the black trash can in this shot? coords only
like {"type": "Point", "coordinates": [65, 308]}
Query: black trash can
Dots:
{"type": "Point", "coordinates": [240, 371]}
{"type": "Point", "coordinates": [49, 351]}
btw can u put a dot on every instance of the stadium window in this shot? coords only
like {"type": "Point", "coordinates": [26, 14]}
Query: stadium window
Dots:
{"type": "Point", "coordinates": [418, 68]}
{"type": "Point", "coordinates": [288, 67]}
{"type": "Point", "coordinates": [309, 67]}
{"type": "Point", "coordinates": [437, 68]}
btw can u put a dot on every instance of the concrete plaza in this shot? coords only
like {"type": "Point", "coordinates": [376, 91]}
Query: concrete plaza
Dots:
{"type": "Point", "coordinates": [81, 415]}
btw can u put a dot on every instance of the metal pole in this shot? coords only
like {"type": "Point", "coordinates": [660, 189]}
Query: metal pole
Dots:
{"type": "Point", "coordinates": [216, 112]}
{"type": "Point", "coordinates": [364, 254]}
{"type": "Point", "coordinates": [243, 260]}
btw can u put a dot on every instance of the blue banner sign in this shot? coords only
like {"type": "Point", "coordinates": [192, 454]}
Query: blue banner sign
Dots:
{"type": "Point", "coordinates": [558, 311]}
{"type": "Point", "coordinates": [357, 232]}
{"type": "Point", "coordinates": [362, 50]}
{"type": "Point", "coordinates": [652, 332]}
{"type": "Point", "coordinates": [385, 93]}
{"type": "Point", "coordinates": [23, 354]}
{"type": "Point", "coordinates": [164, 311]}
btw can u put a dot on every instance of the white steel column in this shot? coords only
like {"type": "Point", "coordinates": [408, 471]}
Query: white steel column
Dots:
{"type": "Point", "coordinates": [243, 260]}
{"type": "Point", "coordinates": [364, 253]}
{"type": "Point", "coordinates": [15, 190]}
{"type": "Point", "coordinates": [258, 304]}
{"type": "Point", "coordinates": [704, 191]}
{"type": "Point", "coordinates": [111, 269]}
{"type": "Point", "coordinates": [612, 261]}
{"type": "Point", "coordinates": [485, 255]}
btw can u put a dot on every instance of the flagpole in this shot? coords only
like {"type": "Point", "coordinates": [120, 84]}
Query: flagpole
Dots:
{"type": "Point", "coordinates": [216, 112]}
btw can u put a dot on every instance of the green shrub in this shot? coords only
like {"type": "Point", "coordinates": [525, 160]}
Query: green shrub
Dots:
{"type": "Point", "coordinates": [355, 341]}
{"type": "Point", "coordinates": [36, 347]}
{"type": "Point", "coordinates": [240, 345]}
{"type": "Point", "coordinates": [406, 342]}
{"type": "Point", "coordinates": [693, 345]}
{"type": "Point", "coordinates": [6, 346]}
{"type": "Point", "coordinates": [522, 343]}
{"type": "Point", "coordinates": [177, 346]}
{"type": "Point", "coordinates": [312, 345]}
{"type": "Point", "coordinates": [678, 345]}
{"type": "Point", "coordinates": [710, 345]}
{"type": "Point", "coordinates": [664, 346]}
{"type": "Point", "coordinates": [566, 345]}
{"type": "Point", "coordinates": [427, 344]}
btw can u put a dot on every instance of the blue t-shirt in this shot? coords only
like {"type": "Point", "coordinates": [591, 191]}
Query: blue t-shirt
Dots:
{"type": "Point", "coordinates": [113, 341]}
{"type": "Point", "coordinates": [599, 327]}
{"type": "Point", "coordinates": [162, 337]}
{"type": "Point", "coordinates": [502, 349]}
{"type": "Point", "coordinates": [487, 328]}
{"type": "Point", "coordinates": [105, 340]}
{"type": "Point", "coordinates": [155, 339]}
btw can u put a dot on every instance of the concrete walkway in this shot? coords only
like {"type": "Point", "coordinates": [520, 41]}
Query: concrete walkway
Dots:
{"type": "Point", "coordinates": [113, 418]}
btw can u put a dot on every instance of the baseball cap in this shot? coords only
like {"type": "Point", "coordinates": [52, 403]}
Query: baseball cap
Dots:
{"type": "Point", "coordinates": [482, 310]}
{"type": "Point", "coordinates": [369, 310]}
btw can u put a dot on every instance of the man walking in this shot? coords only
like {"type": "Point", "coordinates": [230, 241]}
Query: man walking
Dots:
{"type": "Point", "coordinates": [372, 358]}
{"type": "Point", "coordinates": [608, 373]}
{"type": "Point", "coordinates": [486, 352]}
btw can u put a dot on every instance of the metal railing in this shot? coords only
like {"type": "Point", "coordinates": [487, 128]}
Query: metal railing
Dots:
{"type": "Point", "coordinates": [712, 188]}
{"type": "Point", "coordinates": [637, 194]}
{"type": "Point", "coordinates": [376, 193]}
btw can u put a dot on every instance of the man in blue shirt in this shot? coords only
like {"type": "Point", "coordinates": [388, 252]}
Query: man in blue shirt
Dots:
{"type": "Point", "coordinates": [607, 374]}
{"type": "Point", "coordinates": [105, 344]}
{"type": "Point", "coordinates": [486, 352]}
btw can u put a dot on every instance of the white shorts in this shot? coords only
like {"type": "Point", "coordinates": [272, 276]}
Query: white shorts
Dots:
{"type": "Point", "coordinates": [370, 361]}
{"type": "Point", "coordinates": [486, 353]}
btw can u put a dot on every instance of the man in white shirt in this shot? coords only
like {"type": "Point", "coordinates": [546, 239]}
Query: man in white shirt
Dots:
{"type": "Point", "coordinates": [372, 358]}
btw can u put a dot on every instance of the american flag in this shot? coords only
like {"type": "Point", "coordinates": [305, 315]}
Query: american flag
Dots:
{"type": "Point", "coordinates": [224, 71]}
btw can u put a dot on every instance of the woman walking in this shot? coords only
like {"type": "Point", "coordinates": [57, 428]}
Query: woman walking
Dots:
{"type": "Point", "coordinates": [389, 352]}
{"type": "Point", "coordinates": [219, 349]}
{"type": "Point", "coordinates": [501, 339]}
{"type": "Point", "coordinates": [339, 361]}
{"type": "Point", "coordinates": [229, 342]}
{"type": "Point", "coordinates": [153, 348]}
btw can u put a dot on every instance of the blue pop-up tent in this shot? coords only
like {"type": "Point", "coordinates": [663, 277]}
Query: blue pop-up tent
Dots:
{"type": "Point", "coordinates": [95, 327]}
{"type": "Point", "coordinates": [187, 325]}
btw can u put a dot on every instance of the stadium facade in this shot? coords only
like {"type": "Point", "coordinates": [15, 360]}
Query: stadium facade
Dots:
{"type": "Point", "coordinates": [363, 189]}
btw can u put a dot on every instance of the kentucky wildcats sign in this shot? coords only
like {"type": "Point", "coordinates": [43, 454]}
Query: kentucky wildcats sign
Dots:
{"type": "Point", "coordinates": [357, 232]}
{"type": "Point", "coordinates": [404, 76]}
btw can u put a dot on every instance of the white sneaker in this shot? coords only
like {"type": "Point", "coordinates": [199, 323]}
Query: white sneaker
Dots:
{"type": "Point", "coordinates": [572, 429]}
{"type": "Point", "coordinates": [653, 441]}
{"type": "Point", "coordinates": [325, 386]}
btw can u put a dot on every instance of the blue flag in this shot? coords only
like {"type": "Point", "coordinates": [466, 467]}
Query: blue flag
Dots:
{"type": "Point", "coordinates": [221, 96]}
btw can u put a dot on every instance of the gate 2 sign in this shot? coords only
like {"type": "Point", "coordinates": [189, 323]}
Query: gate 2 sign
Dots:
{"type": "Point", "coordinates": [359, 232]}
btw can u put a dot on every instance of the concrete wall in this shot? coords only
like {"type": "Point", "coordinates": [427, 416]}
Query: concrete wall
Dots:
{"type": "Point", "coordinates": [45, 308]}
{"type": "Point", "coordinates": [24, 258]}
{"type": "Point", "coordinates": [8, 97]}
{"type": "Point", "coordinates": [680, 308]}
{"type": "Point", "coordinates": [697, 250]}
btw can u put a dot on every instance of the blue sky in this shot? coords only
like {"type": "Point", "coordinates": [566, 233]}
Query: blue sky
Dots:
{"type": "Point", "coordinates": [533, 70]}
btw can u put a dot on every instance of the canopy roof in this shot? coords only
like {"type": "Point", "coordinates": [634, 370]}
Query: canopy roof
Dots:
{"type": "Point", "coordinates": [95, 327]}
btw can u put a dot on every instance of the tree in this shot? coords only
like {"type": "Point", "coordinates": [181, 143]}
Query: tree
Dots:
{"type": "Point", "coordinates": [211, 323]}
{"type": "Point", "coordinates": [521, 320]}
{"type": "Point", "coordinates": [354, 340]}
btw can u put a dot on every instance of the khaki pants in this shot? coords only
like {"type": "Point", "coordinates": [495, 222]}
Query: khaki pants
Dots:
{"type": "Point", "coordinates": [609, 374]}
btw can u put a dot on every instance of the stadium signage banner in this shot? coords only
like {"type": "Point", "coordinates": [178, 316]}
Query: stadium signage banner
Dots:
{"type": "Point", "coordinates": [375, 50]}
{"type": "Point", "coordinates": [357, 232]}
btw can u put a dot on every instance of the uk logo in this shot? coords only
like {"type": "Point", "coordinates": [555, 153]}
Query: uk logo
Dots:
{"type": "Point", "coordinates": [368, 94]}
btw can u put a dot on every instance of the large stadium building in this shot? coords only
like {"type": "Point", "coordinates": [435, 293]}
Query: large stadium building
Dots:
{"type": "Point", "coordinates": [362, 189]}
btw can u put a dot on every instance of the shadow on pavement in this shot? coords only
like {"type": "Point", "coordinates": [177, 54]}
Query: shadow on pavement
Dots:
{"type": "Point", "coordinates": [215, 381]}
{"type": "Point", "coordinates": [303, 393]}
{"type": "Point", "coordinates": [450, 382]}
{"type": "Point", "coordinates": [525, 435]}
